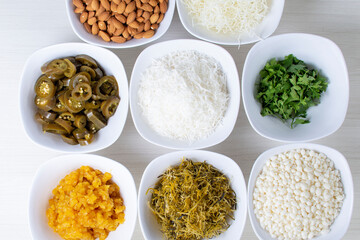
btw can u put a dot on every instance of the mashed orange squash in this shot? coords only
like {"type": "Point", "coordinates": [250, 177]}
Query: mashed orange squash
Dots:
{"type": "Point", "coordinates": [86, 205]}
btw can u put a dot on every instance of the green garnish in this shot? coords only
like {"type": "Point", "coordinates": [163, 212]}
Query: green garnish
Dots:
{"type": "Point", "coordinates": [287, 88]}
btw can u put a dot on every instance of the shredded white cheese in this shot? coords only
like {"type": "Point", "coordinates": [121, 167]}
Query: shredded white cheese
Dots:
{"type": "Point", "coordinates": [183, 95]}
{"type": "Point", "coordinates": [228, 16]}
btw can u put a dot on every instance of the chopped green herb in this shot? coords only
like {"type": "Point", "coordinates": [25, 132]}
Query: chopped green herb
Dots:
{"type": "Point", "coordinates": [287, 88]}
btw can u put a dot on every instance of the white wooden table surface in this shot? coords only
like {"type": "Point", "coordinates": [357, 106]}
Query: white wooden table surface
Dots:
{"type": "Point", "coordinates": [26, 26]}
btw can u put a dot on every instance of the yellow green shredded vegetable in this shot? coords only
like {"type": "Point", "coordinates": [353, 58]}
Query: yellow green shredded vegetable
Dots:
{"type": "Point", "coordinates": [193, 201]}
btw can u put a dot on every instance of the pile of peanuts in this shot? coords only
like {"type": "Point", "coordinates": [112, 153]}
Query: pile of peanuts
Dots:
{"type": "Point", "coordinates": [121, 20]}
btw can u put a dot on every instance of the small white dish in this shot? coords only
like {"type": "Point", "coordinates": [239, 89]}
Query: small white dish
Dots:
{"type": "Point", "coordinates": [319, 53]}
{"type": "Point", "coordinates": [342, 221]}
{"type": "Point", "coordinates": [262, 31]}
{"type": "Point", "coordinates": [48, 177]}
{"type": "Point", "coordinates": [158, 50]}
{"type": "Point", "coordinates": [111, 65]}
{"type": "Point", "coordinates": [81, 32]}
{"type": "Point", "coordinates": [149, 226]}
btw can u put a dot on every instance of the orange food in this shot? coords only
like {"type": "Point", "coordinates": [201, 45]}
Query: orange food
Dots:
{"type": "Point", "coordinates": [86, 205]}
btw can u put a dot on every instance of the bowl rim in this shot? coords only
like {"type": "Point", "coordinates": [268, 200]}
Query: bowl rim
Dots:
{"type": "Point", "coordinates": [292, 35]}
{"type": "Point", "coordinates": [190, 29]}
{"type": "Point", "coordinates": [261, 160]}
{"type": "Point", "coordinates": [89, 158]}
{"type": "Point", "coordinates": [195, 154]}
{"type": "Point", "coordinates": [236, 93]}
{"type": "Point", "coordinates": [21, 90]}
{"type": "Point", "coordinates": [113, 45]}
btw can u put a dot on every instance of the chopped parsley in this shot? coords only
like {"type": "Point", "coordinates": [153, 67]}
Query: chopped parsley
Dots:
{"type": "Point", "coordinates": [287, 88]}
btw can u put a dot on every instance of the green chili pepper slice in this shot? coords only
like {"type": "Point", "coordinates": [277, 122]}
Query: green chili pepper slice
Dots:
{"type": "Point", "coordinates": [79, 78]}
{"type": "Point", "coordinates": [80, 121]}
{"type": "Point", "coordinates": [89, 138]}
{"type": "Point", "coordinates": [65, 124]}
{"type": "Point", "coordinates": [82, 92]}
{"type": "Point", "coordinates": [86, 60]}
{"type": "Point", "coordinates": [44, 87]}
{"type": "Point", "coordinates": [107, 86]}
{"type": "Point", "coordinates": [69, 139]}
{"type": "Point", "coordinates": [53, 128]}
{"type": "Point", "coordinates": [109, 106]}
{"type": "Point", "coordinates": [45, 104]}
{"type": "Point", "coordinates": [96, 117]}
{"type": "Point", "coordinates": [89, 70]}
{"type": "Point", "coordinates": [67, 116]}
{"type": "Point", "coordinates": [71, 104]}
{"type": "Point", "coordinates": [71, 69]}
{"type": "Point", "coordinates": [79, 133]}
{"type": "Point", "coordinates": [92, 104]}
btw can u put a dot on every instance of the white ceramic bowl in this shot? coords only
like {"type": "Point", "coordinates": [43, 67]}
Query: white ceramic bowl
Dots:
{"type": "Point", "coordinates": [80, 31]}
{"type": "Point", "coordinates": [158, 50]}
{"type": "Point", "coordinates": [149, 226]}
{"type": "Point", "coordinates": [321, 54]}
{"type": "Point", "coordinates": [263, 30]}
{"type": "Point", "coordinates": [342, 221]}
{"type": "Point", "coordinates": [111, 64]}
{"type": "Point", "coordinates": [48, 177]}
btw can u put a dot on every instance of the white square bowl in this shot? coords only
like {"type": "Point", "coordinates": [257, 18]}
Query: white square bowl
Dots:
{"type": "Point", "coordinates": [149, 226]}
{"type": "Point", "coordinates": [81, 32]}
{"type": "Point", "coordinates": [342, 221]}
{"type": "Point", "coordinates": [48, 177]}
{"type": "Point", "coordinates": [111, 65]}
{"type": "Point", "coordinates": [317, 52]}
{"type": "Point", "coordinates": [262, 31]}
{"type": "Point", "coordinates": [158, 50]}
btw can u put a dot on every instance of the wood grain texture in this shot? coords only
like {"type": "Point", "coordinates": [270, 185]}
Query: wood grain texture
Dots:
{"type": "Point", "coordinates": [31, 25]}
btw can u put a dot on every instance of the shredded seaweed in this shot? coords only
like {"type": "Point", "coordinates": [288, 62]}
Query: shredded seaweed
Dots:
{"type": "Point", "coordinates": [193, 201]}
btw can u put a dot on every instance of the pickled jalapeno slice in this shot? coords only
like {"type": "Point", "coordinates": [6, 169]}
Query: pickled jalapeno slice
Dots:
{"type": "Point", "coordinates": [79, 133]}
{"type": "Point", "coordinates": [65, 124]}
{"type": "Point", "coordinates": [69, 139]}
{"type": "Point", "coordinates": [55, 69]}
{"type": "Point", "coordinates": [80, 121]}
{"type": "Point", "coordinates": [95, 117]}
{"type": "Point", "coordinates": [93, 104]}
{"type": "Point", "coordinates": [109, 106]}
{"type": "Point", "coordinates": [71, 69]}
{"type": "Point", "coordinates": [107, 86]}
{"type": "Point", "coordinates": [67, 116]}
{"type": "Point", "coordinates": [45, 104]}
{"type": "Point", "coordinates": [75, 99]}
{"type": "Point", "coordinates": [79, 78]}
{"type": "Point", "coordinates": [53, 128]}
{"type": "Point", "coordinates": [89, 138]}
{"type": "Point", "coordinates": [44, 87]}
{"type": "Point", "coordinates": [86, 60]}
{"type": "Point", "coordinates": [89, 70]}
{"type": "Point", "coordinates": [71, 104]}
{"type": "Point", "coordinates": [82, 92]}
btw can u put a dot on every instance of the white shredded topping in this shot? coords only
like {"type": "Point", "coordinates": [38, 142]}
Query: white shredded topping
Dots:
{"type": "Point", "coordinates": [183, 95]}
{"type": "Point", "coordinates": [228, 16]}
